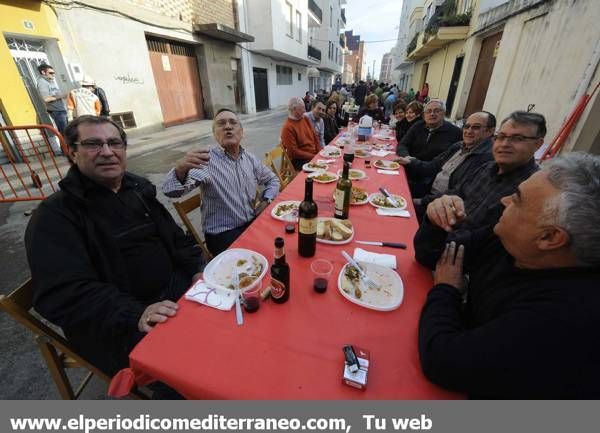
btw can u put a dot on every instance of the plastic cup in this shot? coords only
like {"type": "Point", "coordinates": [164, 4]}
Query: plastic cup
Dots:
{"type": "Point", "coordinates": [321, 271]}
{"type": "Point", "coordinates": [251, 298]}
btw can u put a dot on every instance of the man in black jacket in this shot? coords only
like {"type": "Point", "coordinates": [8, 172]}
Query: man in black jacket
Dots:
{"type": "Point", "coordinates": [427, 139]}
{"type": "Point", "coordinates": [476, 202]}
{"type": "Point", "coordinates": [448, 169]}
{"type": "Point", "coordinates": [107, 260]}
{"type": "Point", "coordinates": [531, 325]}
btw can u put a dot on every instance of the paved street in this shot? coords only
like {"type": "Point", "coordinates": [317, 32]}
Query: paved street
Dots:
{"type": "Point", "coordinates": [22, 371]}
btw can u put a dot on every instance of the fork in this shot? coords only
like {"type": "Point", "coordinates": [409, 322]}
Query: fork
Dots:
{"type": "Point", "coordinates": [370, 282]}
{"type": "Point", "coordinates": [235, 281]}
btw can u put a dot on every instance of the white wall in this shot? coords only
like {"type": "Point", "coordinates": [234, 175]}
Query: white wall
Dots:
{"type": "Point", "coordinates": [279, 95]}
{"type": "Point", "coordinates": [542, 59]}
{"type": "Point", "coordinates": [113, 51]}
{"type": "Point", "coordinates": [326, 33]}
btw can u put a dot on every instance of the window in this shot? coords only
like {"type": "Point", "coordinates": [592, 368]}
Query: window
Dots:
{"type": "Point", "coordinates": [290, 22]}
{"type": "Point", "coordinates": [298, 26]}
{"type": "Point", "coordinates": [329, 52]}
{"type": "Point", "coordinates": [284, 75]}
{"type": "Point", "coordinates": [331, 16]}
{"type": "Point", "coordinates": [299, 76]}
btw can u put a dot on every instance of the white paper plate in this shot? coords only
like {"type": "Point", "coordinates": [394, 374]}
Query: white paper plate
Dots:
{"type": "Point", "coordinates": [357, 203]}
{"type": "Point", "coordinates": [307, 167]}
{"type": "Point", "coordinates": [217, 272]}
{"type": "Point", "coordinates": [325, 241]}
{"type": "Point", "coordinates": [362, 174]}
{"type": "Point", "coordinates": [401, 200]}
{"type": "Point", "coordinates": [283, 216]}
{"type": "Point", "coordinates": [328, 150]}
{"type": "Point", "coordinates": [368, 154]}
{"type": "Point", "coordinates": [386, 165]}
{"type": "Point", "coordinates": [388, 298]}
{"type": "Point", "coordinates": [315, 174]}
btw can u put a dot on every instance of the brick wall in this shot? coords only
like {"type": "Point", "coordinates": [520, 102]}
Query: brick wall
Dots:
{"type": "Point", "coordinates": [196, 11]}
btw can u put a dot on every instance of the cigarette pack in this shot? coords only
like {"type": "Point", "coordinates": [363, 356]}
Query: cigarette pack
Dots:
{"type": "Point", "coordinates": [358, 379]}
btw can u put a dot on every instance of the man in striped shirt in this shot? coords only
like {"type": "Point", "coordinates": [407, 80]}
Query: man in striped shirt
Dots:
{"type": "Point", "coordinates": [229, 177]}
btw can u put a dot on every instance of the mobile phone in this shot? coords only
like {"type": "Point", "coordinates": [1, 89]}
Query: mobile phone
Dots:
{"type": "Point", "coordinates": [351, 358]}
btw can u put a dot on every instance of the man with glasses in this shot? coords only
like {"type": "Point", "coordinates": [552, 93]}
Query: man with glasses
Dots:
{"type": "Point", "coordinates": [475, 203]}
{"type": "Point", "coordinates": [433, 135]}
{"type": "Point", "coordinates": [298, 137]}
{"type": "Point", "coordinates": [107, 259]}
{"type": "Point", "coordinates": [430, 179]}
{"type": "Point", "coordinates": [52, 96]}
{"type": "Point", "coordinates": [316, 115]}
{"type": "Point", "coordinates": [229, 177]}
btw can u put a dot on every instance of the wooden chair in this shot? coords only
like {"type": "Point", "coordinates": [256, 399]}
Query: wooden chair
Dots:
{"type": "Point", "coordinates": [183, 208]}
{"type": "Point", "coordinates": [285, 173]}
{"type": "Point", "coordinates": [56, 350]}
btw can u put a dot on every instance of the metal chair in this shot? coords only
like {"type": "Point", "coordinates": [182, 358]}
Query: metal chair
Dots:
{"type": "Point", "coordinates": [285, 173]}
{"type": "Point", "coordinates": [56, 350]}
{"type": "Point", "coordinates": [183, 208]}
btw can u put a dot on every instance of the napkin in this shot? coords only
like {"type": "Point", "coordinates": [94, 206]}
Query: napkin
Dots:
{"type": "Point", "coordinates": [325, 161]}
{"type": "Point", "coordinates": [381, 153]}
{"type": "Point", "coordinates": [387, 260]}
{"type": "Point", "coordinates": [211, 296]}
{"type": "Point", "coordinates": [393, 212]}
{"type": "Point", "coordinates": [390, 172]}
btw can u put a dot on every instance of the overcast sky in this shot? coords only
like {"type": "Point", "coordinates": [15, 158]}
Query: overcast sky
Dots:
{"type": "Point", "coordinates": [374, 20]}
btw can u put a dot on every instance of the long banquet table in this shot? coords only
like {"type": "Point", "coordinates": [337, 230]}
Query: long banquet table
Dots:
{"type": "Point", "coordinates": [294, 350]}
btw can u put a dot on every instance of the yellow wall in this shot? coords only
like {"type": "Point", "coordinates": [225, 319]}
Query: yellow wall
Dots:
{"type": "Point", "coordinates": [439, 74]}
{"type": "Point", "coordinates": [13, 93]}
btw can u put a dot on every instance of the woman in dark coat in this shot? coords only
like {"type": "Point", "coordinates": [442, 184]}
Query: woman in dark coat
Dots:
{"type": "Point", "coordinates": [331, 121]}
{"type": "Point", "coordinates": [414, 113]}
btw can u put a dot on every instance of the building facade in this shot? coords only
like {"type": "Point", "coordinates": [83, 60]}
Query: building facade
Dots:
{"type": "Point", "coordinates": [385, 72]}
{"type": "Point", "coordinates": [402, 68]}
{"type": "Point", "coordinates": [160, 63]}
{"type": "Point", "coordinates": [355, 60]}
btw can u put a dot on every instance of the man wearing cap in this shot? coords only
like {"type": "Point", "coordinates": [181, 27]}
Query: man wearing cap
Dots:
{"type": "Point", "coordinates": [82, 101]}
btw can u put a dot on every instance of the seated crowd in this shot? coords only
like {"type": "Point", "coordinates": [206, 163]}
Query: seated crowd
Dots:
{"type": "Point", "coordinates": [515, 247]}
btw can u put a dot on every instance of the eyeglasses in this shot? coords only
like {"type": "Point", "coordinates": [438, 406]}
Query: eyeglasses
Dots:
{"type": "Point", "coordinates": [434, 111]}
{"type": "Point", "coordinates": [513, 138]}
{"type": "Point", "coordinates": [94, 145]}
{"type": "Point", "coordinates": [223, 122]}
{"type": "Point", "coordinates": [473, 127]}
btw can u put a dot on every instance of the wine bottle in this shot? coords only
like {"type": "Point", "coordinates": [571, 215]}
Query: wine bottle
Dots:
{"type": "Point", "coordinates": [342, 194]}
{"type": "Point", "coordinates": [280, 274]}
{"type": "Point", "coordinates": [307, 222]}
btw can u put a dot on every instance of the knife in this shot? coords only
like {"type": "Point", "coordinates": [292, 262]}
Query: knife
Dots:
{"type": "Point", "coordinates": [235, 281]}
{"type": "Point", "coordinates": [383, 244]}
{"type": "Point", "coordinates": [388, 197]}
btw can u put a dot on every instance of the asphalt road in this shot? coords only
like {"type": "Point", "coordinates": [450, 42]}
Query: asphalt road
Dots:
{"type": "Point", "coordinates": [23, 374]}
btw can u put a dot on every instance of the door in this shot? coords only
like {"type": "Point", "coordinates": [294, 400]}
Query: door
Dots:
{"type": "Point", "coordinates": [261, 89]}
{"type": "Point", "coordinates": [28, 55]}
{"type": "Point", "coordinates": [175, 71]}
{"type": "Point", "coordinates": [424, 72]}
{"type": "Point", "coordinates": [454, 84]}
{"type": "Point", "coordinates": [483, 74]}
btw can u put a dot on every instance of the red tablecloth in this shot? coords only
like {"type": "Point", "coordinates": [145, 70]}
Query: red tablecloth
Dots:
{"type": "Point", "coordinates": [294, 350]}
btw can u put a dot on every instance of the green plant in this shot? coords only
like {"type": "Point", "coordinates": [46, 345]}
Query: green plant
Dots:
{"type": "Point", "coordinates": [412, 44]}
{"type": "Point", "coordinates": [446, 16]}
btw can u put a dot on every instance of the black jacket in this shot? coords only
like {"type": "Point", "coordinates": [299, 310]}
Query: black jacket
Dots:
{"type": "Point", "coordinates": [331, 128]}
{"type": "Point", "coordinates": [425, 171]}
{"type": "Point", "coordinates": [422, 144]}
{"type": "Point", "coordinates": [105, 110]}
{"type": "Point", "coordinates": [79, 280]}
{"type": "Point", "coordinates": [525, 334]}
{"type": "Point", "coordinates": [403, 126]}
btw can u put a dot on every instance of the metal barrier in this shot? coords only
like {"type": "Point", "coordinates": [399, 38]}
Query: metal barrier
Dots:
{"type": "Point", "coordinates": [34, 168]}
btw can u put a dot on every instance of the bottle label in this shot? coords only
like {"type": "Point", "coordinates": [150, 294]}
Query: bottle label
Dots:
{"type": "Point", "coordinates": [307, 226]}
{"type": "Point", "coordinates": [277, 288]}
{"type": "Point", "coordinates": [339, 197]}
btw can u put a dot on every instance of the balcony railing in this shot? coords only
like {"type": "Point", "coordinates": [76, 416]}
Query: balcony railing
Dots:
{"type": "Point", "coordinates": [315, 9]}
{"type": "Point", "coordinates": [314, 53]}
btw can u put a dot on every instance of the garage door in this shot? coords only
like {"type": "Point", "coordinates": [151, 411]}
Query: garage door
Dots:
{"type": "Point", "coordinates": [175, 70]}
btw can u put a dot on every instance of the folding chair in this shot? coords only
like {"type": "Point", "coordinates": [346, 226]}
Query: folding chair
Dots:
{"type": "Point", "coordinates": [56, 350]}
{"type": "Point", "coordinates": [285, 173]}
{"type": "Point", "coordinates": [183, 208]}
